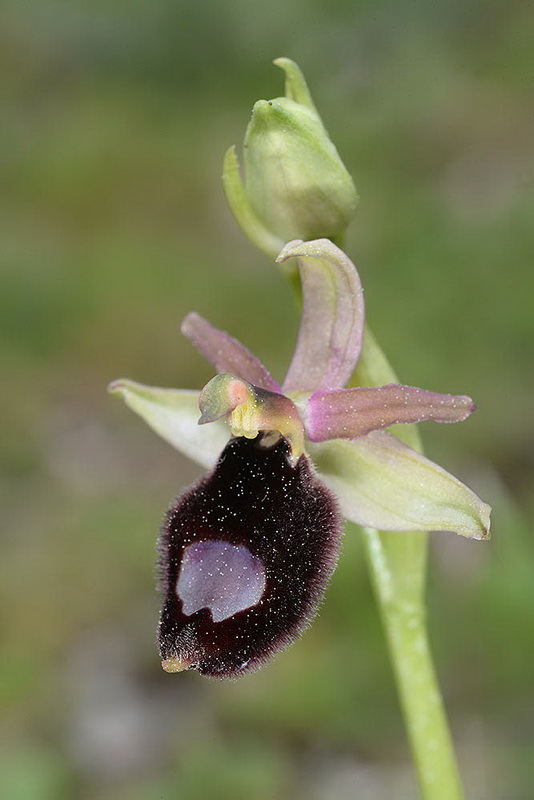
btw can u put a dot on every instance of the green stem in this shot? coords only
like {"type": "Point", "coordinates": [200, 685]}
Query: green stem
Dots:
{"type": "Point", "coordinates": [397, 563]}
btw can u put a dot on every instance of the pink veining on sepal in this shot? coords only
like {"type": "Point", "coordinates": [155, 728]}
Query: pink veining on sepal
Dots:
{"type": "Point", "coordinates": [331, 327]}
{"type": "Point", "coordinates": [226, 353]}
{"type": "Point", "coordinates": [351, 413]}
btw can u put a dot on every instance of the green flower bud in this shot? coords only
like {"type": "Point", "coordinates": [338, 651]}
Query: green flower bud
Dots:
{"type": "Point", "coordinates": [296, 186]}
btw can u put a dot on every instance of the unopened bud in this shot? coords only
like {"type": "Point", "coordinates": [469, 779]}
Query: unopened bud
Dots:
{"type": "Point", "coordinates": [295, 184]}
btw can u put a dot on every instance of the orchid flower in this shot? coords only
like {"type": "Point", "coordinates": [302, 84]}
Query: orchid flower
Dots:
{"type": "Point", "coordinates": [247, 552]}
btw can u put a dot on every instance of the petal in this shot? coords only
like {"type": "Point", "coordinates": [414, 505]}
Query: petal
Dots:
{"type": "Point", "coordinates": [350, 413]}
{"type": "Point", "coordinates": [226, 353]}
{"type": "Point", "coordinates": [245, 556]}
{"type": "Point", "coordinates": [174, 414]}
{"type": "Point", "coordinates": [331, 328]}
{"type": "Point", "coordinates": [382, 483]}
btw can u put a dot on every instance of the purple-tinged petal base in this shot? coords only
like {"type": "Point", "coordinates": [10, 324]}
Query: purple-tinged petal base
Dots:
{"type": "Point", "coordinates": [350, 413]}
{"type": "Point", "coordinates": [225, 353]}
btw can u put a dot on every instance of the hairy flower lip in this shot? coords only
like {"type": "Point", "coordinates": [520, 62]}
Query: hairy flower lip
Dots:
{"type": "Point", "coordinates": [245, 557]}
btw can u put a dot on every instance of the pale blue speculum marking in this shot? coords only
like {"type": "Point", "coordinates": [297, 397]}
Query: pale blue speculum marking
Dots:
{"type": "Point", "coordinates": [222, 577]}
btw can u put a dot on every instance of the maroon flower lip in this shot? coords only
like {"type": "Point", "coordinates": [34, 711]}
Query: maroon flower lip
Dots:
{"type": "Point", "coordinates": [245, 557]}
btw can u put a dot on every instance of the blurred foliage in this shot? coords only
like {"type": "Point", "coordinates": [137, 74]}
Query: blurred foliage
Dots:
{"type": "Point", "coordinates": [116, 116]}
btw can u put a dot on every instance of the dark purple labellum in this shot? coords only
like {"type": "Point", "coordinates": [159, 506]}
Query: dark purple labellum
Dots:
{"type": "Point", "coordinates": [246, 555]}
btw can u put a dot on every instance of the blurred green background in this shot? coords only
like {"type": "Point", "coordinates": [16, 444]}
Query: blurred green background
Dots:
{"type": "Point", "coordinates": [115, 119]}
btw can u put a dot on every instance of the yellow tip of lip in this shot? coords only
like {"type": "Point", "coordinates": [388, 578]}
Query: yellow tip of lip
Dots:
{"type": "Point", "coordinates": [174, 665]}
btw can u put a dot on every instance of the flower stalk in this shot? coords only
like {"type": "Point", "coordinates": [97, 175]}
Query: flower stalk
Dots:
{"type": "Point", "coordinates": [397, 566]}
